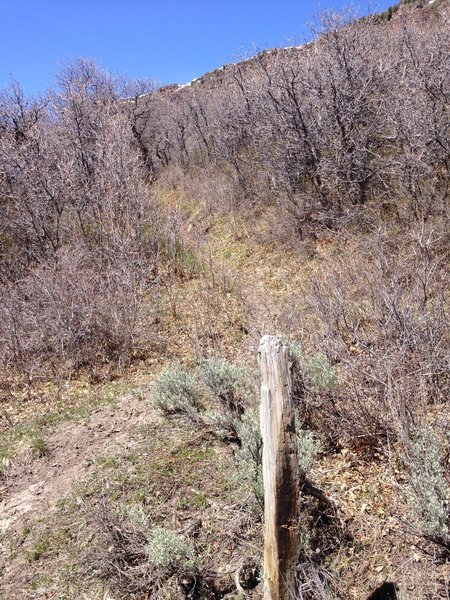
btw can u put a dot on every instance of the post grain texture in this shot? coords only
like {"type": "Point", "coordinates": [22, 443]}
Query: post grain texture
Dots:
{"type": "Point", "coordinates": [280, 471]}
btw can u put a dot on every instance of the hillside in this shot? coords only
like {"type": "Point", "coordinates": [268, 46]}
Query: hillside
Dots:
{"type": "Point", "coordinates": [149, 237]}
{"type": "Point", "coordinates": [408, 11]}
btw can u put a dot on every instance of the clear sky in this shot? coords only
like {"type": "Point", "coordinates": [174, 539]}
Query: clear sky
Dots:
{"type": "Point", "coordinates": [171, 41]}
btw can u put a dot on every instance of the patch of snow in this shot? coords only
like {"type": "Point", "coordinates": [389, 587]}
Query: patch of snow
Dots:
{"type": "Point", "coordinates": [184, 85]}
{"type": "Point", "coordinates": [133, 98]}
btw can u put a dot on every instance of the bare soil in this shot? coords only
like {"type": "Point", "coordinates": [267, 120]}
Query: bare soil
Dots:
{"type": "Point", "coordinates": [32, 487]}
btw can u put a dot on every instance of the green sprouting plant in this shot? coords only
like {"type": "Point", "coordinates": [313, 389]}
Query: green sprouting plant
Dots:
{"type": "Point", "coordinates": [38, 446]}
{"type": "Point", "coordinates": [225, 381]}
{"type": "Point", "coordinates": [187, 262]}
{"type": "Point", "coordinates": [200, 500]}
{"type": "Point", "coordinates": [176, 391]}
{"type": "Point", "coordinates": [320, 372]}
{"type": "Point", "coordinates": [167, 550]}
{"type": "Point", "coordinates": [430, 493]}
{"type": "Point", "coordinates": [38, 549]}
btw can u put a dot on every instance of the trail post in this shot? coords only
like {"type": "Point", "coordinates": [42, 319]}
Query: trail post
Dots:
{"type": "Point", "coordinates": [280, 471]}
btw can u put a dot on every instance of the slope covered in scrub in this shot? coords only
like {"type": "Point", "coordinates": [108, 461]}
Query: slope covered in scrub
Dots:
{"type": "Point", "coordinates": [148, 239]}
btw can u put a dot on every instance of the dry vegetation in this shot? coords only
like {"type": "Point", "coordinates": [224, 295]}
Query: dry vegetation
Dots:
{"type": "Point", "coordinates": [149, 237]}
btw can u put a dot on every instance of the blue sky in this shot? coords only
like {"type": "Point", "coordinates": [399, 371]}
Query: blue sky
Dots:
{"type": "Point", "coordinates": [170, 40]}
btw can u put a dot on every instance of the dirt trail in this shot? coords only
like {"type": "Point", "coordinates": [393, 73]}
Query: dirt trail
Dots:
{"type": "Point", "coordinates": [33, 486]}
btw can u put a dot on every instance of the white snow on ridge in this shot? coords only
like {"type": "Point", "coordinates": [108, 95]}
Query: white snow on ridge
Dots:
{"type": "Point", "coordinates": [183, 85]}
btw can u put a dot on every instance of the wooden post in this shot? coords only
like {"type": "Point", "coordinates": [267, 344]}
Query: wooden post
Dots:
{"type": "Point", "coordinates": [280, 471]}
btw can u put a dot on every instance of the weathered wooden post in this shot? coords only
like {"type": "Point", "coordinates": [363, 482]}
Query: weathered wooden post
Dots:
{"type": "Point", "coordinates": [280, 471]}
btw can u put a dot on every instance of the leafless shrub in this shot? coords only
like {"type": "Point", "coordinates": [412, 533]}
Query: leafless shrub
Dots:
{"type": "Point", "coordinates": [79, 237]}
{"type": "Point", "coordinates": [75, 312]}
{"type": "Point", "coordinates": [354, 121]}
{"type": "Point", "coordinates": [119, 556]}
{"type": "Point", "coordinates": [381, 318]}
{"type": "Point", "coordinates": [315, 583]}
